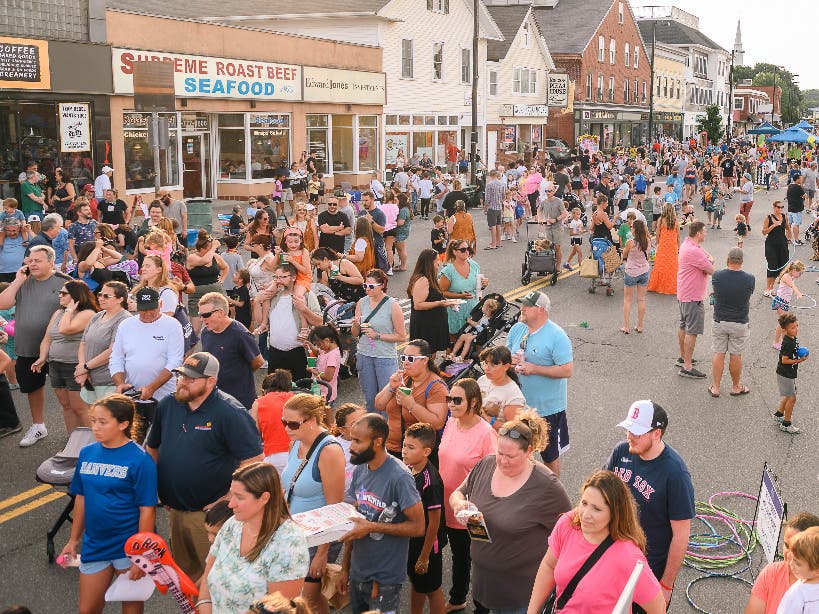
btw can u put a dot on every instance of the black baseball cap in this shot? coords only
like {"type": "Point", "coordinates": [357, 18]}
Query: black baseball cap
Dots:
{"type": "Point", "coordinates": [147, 299]}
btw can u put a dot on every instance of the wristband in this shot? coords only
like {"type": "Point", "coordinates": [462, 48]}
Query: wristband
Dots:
{"type": "Point", "coordinates": [202, 602]}
{"type": "Point", "coordinates": [492, 421]}
{"type": "Point", "coordinates": [668, 588]}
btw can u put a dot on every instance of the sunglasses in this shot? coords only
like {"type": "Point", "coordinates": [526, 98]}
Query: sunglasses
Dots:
{"type": "Point", "coordinates": [292, 424]}
{"type": "Point", "coordinates": [513, 434]}
{"type": "Point", "coordinates": [411, 358]}
{"type": "Point", "coordinates": [463, 250]}
{"type": "Point", "coordinates": [280, 277]}
{"type": "Point", "coordinates": [780, 206]}
{"type": "Point", "coordinates": [104, 295]}
{"type": "Point", "coordinates": [63, 293]}
{"type": "Point", "coordinates": [455, 400]}
{"type": "Point", "coordinates": [371, 286]}
{"type": "Point", "coordinates": [206, 314]}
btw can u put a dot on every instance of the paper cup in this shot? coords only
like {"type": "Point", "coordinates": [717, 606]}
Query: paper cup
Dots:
{"type": "Point", "coordinates": [405, 390]}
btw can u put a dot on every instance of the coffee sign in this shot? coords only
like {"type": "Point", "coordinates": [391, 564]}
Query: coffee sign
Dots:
{"type": "Point", "coordinates": [24, 64]}
{"type": "Point", "coordinates": [558, 91]}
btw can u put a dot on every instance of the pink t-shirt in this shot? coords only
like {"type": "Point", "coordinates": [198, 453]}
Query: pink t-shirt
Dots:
{"type": "Point", "coordinates": [692, 280]}
{"type": "Point", "coordinates": [330, 359]}
{"type": "Point", "coordinates": [771, 585]}
{"type": "Point", "coordinates": [460, 451]}
{"type": "Point", "coordinates": [600, 588]}
{"type": "Point", "coordinates": [533, 182]}
{"type": "Point", "coordinates": [391, 213]}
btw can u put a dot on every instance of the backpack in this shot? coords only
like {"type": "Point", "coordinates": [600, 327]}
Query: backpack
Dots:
{"type": "Point", "coordinates": [181, 316]}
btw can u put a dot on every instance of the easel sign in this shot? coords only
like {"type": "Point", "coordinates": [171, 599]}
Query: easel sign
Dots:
{"type": "Point", "coordinates": [770, 513]}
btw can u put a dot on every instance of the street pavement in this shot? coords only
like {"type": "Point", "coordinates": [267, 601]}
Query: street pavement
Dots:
{"type": "Point", "coordinates": [725, 440]}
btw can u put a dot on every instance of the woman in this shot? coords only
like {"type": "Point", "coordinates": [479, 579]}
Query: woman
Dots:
{"type": "Point", "coordinates": [98, 341]}
{"type": "Point", "coordinates": [467, 438]}
{"type": "Point", "coordinates": [155, 275]}
{"type": "Point", "coordinates": [663, 278]}
{"type": "Point", "coordinates": [776, 231]}
{"type": "Point", "coordinates": [65, 193]}
{"type": "Point", "coordinates": [453, 196]}
{"type": "Point", "coordinates": [109, 511]}
{"type": "Point", "coordinates": [362, 253]}
{"type": "Point", "coordinates": [93, 260]}
{"type": "Point", "coordinates": [258, 551]}
{"type": "Point", "coordinates": [601, 222]}
{"type": "Point", "coordinates": [305, 220]}
{"type": "Point", "coordinates": [379, 325]}
{"type": "Point", "coordinates": [267, 413]}
{"type": "Point", "coordinates": [520, 501]}
{"type": "Point", "coordinates": [313, 478]}
{"type": "Point", "coordinates": [402, 230]}
{"type": "Point", "coordinates": [746, 197]}
{"type": "Point", "coordinates": [606, 510]}
{"type": "Point", "coordinates": [532, 188]}
{"type": "Point", "coordinates": [413, 394]}
{"type": "Point", "coordinates": [208, 271]}
{"type": "Point", "coordinates": [458, 280]}
{"type": "Point", "coordinates": [338, 274]}
{"type": "Point", "coordinates": [635, 255]}
{"type": "Point", "coordinates": [259, 226]}
{"type": "Point", "coordinates": [390, 208]}
{"type": "Point", "coordinates": [500, 387]}
{"type": "Point", "coordinates": [60, 347]}
{"type": "Point", "coordinates": [461, 227]}
{"type": "Point", "coordinates": [428, 317]}
{"type": "Point", "coordinates": [262, 268]}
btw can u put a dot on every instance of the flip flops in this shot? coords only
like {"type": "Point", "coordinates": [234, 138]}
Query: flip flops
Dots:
{"type": "Point", "coordinates": [712, 393]}
{"type": "Point", "coordinates": [742, 390]}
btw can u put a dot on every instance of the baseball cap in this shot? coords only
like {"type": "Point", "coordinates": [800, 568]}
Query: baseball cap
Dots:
{"type": "Point", "coordinates": [199, 365]}
{"type": "Point", "coordinates": [87, 187]}
{"type": "Point", "coordinates": [34, 218]}
{"type": "Point", "coordinates": [107, 169]}
{"type": "Point", "coordinates": [644, 416]}
{"type": "Point", "coordinates": [536, 299]}
{"type": "Point", "coordinates": [147, 299]}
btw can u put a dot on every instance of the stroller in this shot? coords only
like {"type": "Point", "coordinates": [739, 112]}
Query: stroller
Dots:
{"type": "Point", "coordinates": [608, 261]}
{"type": "Point", "coordinates": [537, 261]}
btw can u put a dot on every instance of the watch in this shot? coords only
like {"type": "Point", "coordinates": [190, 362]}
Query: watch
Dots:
{"type": "Point", "coordinates": [85, 366]}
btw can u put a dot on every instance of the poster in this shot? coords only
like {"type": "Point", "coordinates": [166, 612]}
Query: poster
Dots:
{"type": "Point", "coordinates": [510, 137]}
{"type": "Point", "coordinates": [396, 142]}
{"type": "Point", "coordinates": [536, 133]}
{"type": "Point", "coordinates": [75, 127]}
{"type": "Point", "coordinates": [769, 514]}
{"type": "Point", "coordinates": [24, 64]}
{"type": "Point", "coordinates": [558, 90]}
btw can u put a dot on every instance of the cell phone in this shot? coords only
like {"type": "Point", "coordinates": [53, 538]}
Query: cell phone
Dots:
{"type": "Point", "coordinates": [88, 385]}
{"type": "Point", "coordinates": [27, 271]}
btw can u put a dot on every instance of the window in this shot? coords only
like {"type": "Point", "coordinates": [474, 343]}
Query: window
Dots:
{"type": "Point", "coordinates": [645, 90]}
{"type": "Point", "coordinates": [625, 90]}
{"type": "Point", "coordinates": [269, 142]}
{"type": "Point", "coordinates": [665, 87]}
{"type": "Point", "coordinates": [139, 157]}
{"type": "Point", "coordinates": [525, 81]}
{"type": "Point", "coordinates": [627, 54]}
{"type": "Point", "coordinates": [368, 142]}
{"type": "Point", "coordinates": [636, 57]}
{"type": "Point", "coordinates": [438, 61]}
{"type": "Point", "coordinates": [232, 146]}
{"type": "Point", "coordinates": [588, 87]}
{"type": "Point", "coordinates": [601, 49]}
{"type": "Point", "coordinates": [342, 132]}
{"type": "Point", "coordinates": [407, 67]}
{"type": "Point", "coordinates": [318, 138]}
{"type": "Point", "coordinates": [611, 89]}
{"type": "Point", "coordinates": [524, 36]}
{"type": "Point", "coordinates": [678, 88]}
{"type": "Point", "coordinates": [612, 50]}
{"type": "Point", "coordinates": [438, 6]}
{"type": "Point", "coordinates": [466, 66]}
{"type": "Point", "coordinates": [636, 91]}
{"type": "Point", "coordinates": [620, 18]}
{"type": "Point", "coordinates": [659, 85]}
{"type": "Point", "coordinates": [493, 82]}
{"type": "Point", "coordinates": [600, 87]}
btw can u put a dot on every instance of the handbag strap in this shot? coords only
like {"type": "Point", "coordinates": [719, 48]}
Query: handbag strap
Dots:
{"type": "Point", "coordinates": [322, 436]}
{"type": "Point", "coordinates": [374, 311]}
{"type": "Point", "coordinates": [572, 585]}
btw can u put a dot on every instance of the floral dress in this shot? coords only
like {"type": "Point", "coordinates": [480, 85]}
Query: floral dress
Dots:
{"type": "Point", "coordinates": [457, 283]}
{"type": "Point", "coordinates": [235, 582]}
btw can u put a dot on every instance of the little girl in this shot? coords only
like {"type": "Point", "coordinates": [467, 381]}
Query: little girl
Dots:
{"type": "Point", "coordinates": [576, 231]}
{"type": "Point", "coordinates": [508, 217]}
{"type": "Point", "coordinates": [292, 251]}
{"type": "Point", "coordinates": [239, 297]}
{"type": "Point", "coordinates": [742, 228]}
{"type": "Point", "coordinates": [346, 415]}
{"type": "Point", "coordinates": [325, 341]}
{"type": "Point", "coordinates": [784, 292]}
{"type": "Point", "coordinates": [464, 343]}
{"type": "Point", "coordinates": [156, 242]}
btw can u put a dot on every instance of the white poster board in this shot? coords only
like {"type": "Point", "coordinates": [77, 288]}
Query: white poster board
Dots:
{"type": "Point", "coordinates": [396, 142]}
{"type": "Point", "coordinates": [770, 512]}
{"type": "Point", "coordinates": [623, 605]}
{"type": "Point", "coordinates": [75, 127]}
{"type": "Point", "coordinates": [557, 94]}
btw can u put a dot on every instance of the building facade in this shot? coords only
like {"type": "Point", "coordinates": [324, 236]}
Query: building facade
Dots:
{"type": "Point", "coordinates": [669, 90]}
{"type": "Point", "coordinates": [748, 106]}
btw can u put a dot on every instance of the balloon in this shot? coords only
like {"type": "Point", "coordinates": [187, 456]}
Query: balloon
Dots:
{"type": "Point", "coordinates": [802, 352]}
{"type": "Point", "coordinates": [811, 139]}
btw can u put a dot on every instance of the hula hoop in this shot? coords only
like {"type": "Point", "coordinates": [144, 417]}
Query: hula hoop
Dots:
{"type": "Point", "coordinates": [810, 305]}
{"type": "Point", "coordinates": [695, 580]}
{"type": "Point", "coordinates": [791, 256]}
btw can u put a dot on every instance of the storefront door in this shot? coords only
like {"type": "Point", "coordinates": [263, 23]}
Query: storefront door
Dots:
{"type": "Point", "coordinates": [195, 165]}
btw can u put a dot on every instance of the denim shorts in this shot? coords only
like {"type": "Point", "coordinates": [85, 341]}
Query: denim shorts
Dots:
{"type": "Point", "coordinates": [638, 280]}
{"type": "Point", "coordinates": [795, 218]}
{"type": "Point", "coordinates": [98, 566]}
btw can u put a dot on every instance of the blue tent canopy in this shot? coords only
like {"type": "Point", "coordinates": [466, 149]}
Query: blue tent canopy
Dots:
{"type": "Point", "coordinates": [765, 128]}
{"type": "Point", "coordinates": [804, 126]}
{"type": "Point", "coordinates": [792, 135]}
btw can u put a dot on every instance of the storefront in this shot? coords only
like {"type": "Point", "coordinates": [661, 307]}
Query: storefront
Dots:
{"type": "Point", "coordinates": [668, 124]}
{"type": "Point", "coordinates": [521, 129]}
{"type": "Point", "coordinates": [51, 111]}
{"type": "Point", "coordinates": [614, 128]}
{"type": "Point", "coordinates": [437, 136]}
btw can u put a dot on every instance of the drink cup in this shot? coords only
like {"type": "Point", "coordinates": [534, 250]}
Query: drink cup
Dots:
{"type": "Point", "coordinates": [283, 258]}
{"type": "Point", "coordinates": [311, 362]}
{"type": "Point", "coordinates": [405, 390]}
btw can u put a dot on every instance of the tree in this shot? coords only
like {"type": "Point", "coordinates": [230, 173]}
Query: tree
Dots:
{"type": "Point", "coordinates": [792, 100]}
{"type": "Point", "coordinates": [711, 123]}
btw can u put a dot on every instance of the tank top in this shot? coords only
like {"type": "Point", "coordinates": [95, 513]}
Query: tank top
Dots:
{"type": "Point", "coordinates": [637, 262]}
{"type": "Point", "coordinates": [260, 278]}
{"type": "Point", "coordinates": [302, 279]}
{"type": "Point", "coordinates": [601, 231]}
{"type": "Point", "coordinates": [381, 322]}
{"type": "Point", "coordinates": [346, 292]}
{"type": "Point", "coordinates": [63, 347]}
{"type": "Point", "coordinates": [777, 234]}
{"type": "Point", "coordinates": [308, 493]}
{"type": "Point", "coordinates": [202, 275]}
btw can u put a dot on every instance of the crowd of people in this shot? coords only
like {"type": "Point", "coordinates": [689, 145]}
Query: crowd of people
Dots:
{"type": "Point", "coordinates": [103, 306]}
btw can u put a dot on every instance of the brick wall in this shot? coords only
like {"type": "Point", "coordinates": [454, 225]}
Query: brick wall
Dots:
{"type": "Point", "coordinates": [50, 19]}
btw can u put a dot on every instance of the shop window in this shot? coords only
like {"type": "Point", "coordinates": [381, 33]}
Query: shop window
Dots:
{"type": "Point", "coordinates": [139, 158]}
{"type": "Point", "coordinates": [417, 120]}
{"type": "Point", "coordinates": [422, 143]}
{"type": "Point", "coordinates": [368, 142]}
{"type": "Point", "coordinates": [343, 144]}
{"type": "Point", "coordinates": [318, 135]}
{"type": "Point", "coordinates": [447, 150]}
{"type": "Point", "coordinates": [453, 120]}
{"type": "Point", "coordinates": [232, 146]}
{"type": "Point", "coordinates": [269, 143]}
{"type": "Point", "coordinates": [403, 120]}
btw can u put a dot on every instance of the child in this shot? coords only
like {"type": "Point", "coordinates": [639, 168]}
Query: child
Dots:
{"type": "Point", "coordinates": [292, 250]}
{"type": "Point", "coordinates": [324, 341]}
{"type": "Point", "coordinates": [521, 209]}
{"type": "Point", "coordinates": [346, 415]}
{"type": "Point", "coordinates": [215, 517]}
{"type": "Point", "coordinates": [232, 258]}
{"type": "Point", "coordinates": [741, 230]}
{"type": "Point", "coordinates": [424, 564]}
{"type": "Point", "coordinates": [545, 246]}
{"type": "Point", "coordinates": [7, 315]}
{"type": "Point", "coordinates": [784, 292]}
{"type": "Point", "coordinates": [276, 199]}
{"type": "Point", "coordinates": [10, 210]}
{"type": "Point", "coordinates": [157, 242]}
{"type": "Point", "coordinates": [624, 232]}
{"type": "Point", "coordinates": [508, 217]}
{"type": "Point", "coordinates": [313, 187]}
{"type": "Point", "coordinates": [707, 203]}
{"type": "Point", "coordinates": [438, 236]}
{"type": "Point", "coordinates": [239, 297]}
{"type": "Point", "coordinates": [464, 343]}
{"type": "Point", "coordinates": [719, 203]}
{"type": "Point", "coordinates": [658, 202]}
{"type": "Point", "coordinates": [322, 187]}
{"type": "Point", "coordinates": [804, 564]}
{"type": "Point", "coordinates": [786, 370]}
{"type": "Point", "coordinates": [576, 231]}
{"type": "Point", "coordinates": [236, 224]}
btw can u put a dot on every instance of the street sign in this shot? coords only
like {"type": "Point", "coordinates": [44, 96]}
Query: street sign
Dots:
{"type": "Point", "coordinates": [154, 87]}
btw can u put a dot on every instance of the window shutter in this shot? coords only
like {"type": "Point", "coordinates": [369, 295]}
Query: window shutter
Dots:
{"type": "Point", "coordinates": [429, 5]}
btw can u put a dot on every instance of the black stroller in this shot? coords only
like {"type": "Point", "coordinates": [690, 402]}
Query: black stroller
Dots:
{"type": "Point", "coordinates": [537, 261]}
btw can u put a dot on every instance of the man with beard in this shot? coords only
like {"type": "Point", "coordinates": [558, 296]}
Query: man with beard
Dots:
{"type": "Point", "coordinates": [375, 559]}
{"type": "Point", "coordinates": [199, 437]}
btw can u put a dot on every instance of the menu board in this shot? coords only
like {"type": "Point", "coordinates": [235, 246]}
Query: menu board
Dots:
{"type": "Point", "coordinates": [24, 63]}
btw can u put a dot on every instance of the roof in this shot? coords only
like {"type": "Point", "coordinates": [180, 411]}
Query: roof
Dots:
{"type": "Point", "coordinates": [675, 33]}
{"type": "Point", "coordinates": [569, 26]}
{"type": "Point", "coordinates": [203, 9]}
{"type": "Point", "coordinates": [509, 20]}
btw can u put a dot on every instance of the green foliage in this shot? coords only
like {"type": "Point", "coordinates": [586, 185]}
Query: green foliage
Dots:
{"type": "Point", "coordinates": [792, 100]}
{"type": "Point", "coordinates": [810, 98]}
{"type": "Point", "coordinates": [711, 123]}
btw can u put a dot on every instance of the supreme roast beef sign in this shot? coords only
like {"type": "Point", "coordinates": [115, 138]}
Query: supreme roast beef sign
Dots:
{"type": "Point", "coordinates": [198, 76]}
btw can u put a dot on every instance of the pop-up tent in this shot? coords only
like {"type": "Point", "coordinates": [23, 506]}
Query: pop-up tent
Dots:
{"type": "Point", "coordinates": [765, 128]}
{"type": "Point", "coordinates": [793, 135]}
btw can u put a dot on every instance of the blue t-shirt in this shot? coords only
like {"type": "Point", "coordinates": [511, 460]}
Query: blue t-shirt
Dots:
{"type": "Point", "coordinates": [60, 245]}
{"type": "Point", "coordinates": [663, 490]}
{"type": "Point", "coordinates": [547, 346]}
{"type": "Point", "coordinates": [115, 483]}
{"type": "Point", "coordinates": [384, 560]}
{"type": "Point", "coordinates": [234, 348]}
{"type": "Point", "coordinates": [12, 253]}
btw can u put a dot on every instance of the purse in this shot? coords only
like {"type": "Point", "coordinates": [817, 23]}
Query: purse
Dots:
{"type": "Point", "coordinates": [611, 259]}
{"type": "Point", "coordinates": [554, 603]}
{"type": "Point", "coordinates": [588, 268]}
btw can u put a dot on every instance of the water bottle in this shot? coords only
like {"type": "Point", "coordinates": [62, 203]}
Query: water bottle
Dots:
{"type": "Point", "coordinates": [315, 389]}
{"type": "Point", "coordinates": [69, 560]}
{"type": "Point", "coordinates": [386, 516]}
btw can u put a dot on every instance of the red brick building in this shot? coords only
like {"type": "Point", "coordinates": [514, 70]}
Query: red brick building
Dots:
{"type": "Point", "coordinates": [597, 43]}
{"type": "Point", "coordinates": [748, 109]}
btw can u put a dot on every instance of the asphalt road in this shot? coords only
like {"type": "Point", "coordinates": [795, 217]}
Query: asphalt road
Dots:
{"type": "Point", "coordinates": [725, 441]}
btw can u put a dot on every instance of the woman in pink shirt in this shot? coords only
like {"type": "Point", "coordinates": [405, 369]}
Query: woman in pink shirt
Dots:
{"type": "Point", "coordinates": [531, 187]}
{"type": "Point", "coordinates": [606, 510]}
{"type": "Point", "coordinates": [467, 439]}
{"type": "Point", "coordinates": [390, 208]}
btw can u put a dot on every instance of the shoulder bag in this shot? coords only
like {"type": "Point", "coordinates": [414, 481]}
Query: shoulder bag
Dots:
{"type": "Point", "coordinates": [322, 436]}
{"type": "Point", "coordinates": [554, 603]}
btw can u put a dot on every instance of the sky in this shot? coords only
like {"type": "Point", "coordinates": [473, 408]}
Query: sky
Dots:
{"type": "Point", "coordinates": [775, 32]}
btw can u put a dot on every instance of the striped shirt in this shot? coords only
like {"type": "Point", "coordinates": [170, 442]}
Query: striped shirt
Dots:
{"type": "Point", "coordinates": [495, 194]}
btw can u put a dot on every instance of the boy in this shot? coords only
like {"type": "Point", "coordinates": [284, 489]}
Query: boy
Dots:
{"type": "Point", "coordinates": [232, 258]}
{"type": "Point", "coordinates": [424, 564]}
{"type": "Point", "coordinates": [215, 517]}
{"type": "Point", "coordinates": [438, 235]}
{"type": "Point", "coordinates": [10, 210]}
{"type": "Point", "coordinates": [624, 232]}
{"type": "Point", "coordinates": [313, 187]}
{"type": "Point", "coordinates": [789, 358]}
{"type": "Point", "coordinates": [239, 297]}
{"type": "Point", "coordinates": [657, 204]}
{"type": "Point", "coordinates": [803, 596]}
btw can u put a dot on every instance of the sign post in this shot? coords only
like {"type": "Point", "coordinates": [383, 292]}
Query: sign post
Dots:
{"type": "Point", "coordinates": [770, 513]}
{"type": "Point", "coordinates": [154, 92]}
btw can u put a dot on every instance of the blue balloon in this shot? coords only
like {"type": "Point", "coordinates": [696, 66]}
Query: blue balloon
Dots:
{"type": "Point", "coordinates": [802, 352]}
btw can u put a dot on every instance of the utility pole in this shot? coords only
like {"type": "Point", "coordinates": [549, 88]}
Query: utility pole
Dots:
{"type": "Point", "coordinates": [473, 135]}
{"type": "Point", "coordinates": [651, 85]}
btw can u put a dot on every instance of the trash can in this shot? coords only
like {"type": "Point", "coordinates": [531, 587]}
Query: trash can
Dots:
{"type": "Point", "coordinates": [200, 213]}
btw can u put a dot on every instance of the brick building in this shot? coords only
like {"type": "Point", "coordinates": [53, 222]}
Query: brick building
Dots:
{"type": "Point", "coordinates": [748, 109]}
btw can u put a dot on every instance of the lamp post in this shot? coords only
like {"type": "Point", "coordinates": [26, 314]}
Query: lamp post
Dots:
{"type": "Point", "coordinates": [473, 135]}
{"type": "Point", "coordinates": [790, 99]}
{"type": "Point", "coordinates": [729, 135]}
{"type": "Point", "coordinates": [651, 85]}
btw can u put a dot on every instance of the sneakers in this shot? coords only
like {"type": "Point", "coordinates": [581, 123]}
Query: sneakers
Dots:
{"type": "Point", "coordinates": [793, 430]}
{"type": "Point", "coordinates": [798, 242]}
{"type": "Point", "coordinates": [693, 373]}
{"type": "Point", "coordinates": [567, 266]}
{"type": "Point", "coordinates": [35, 433]}
{"type": "Point", "coordinates": [10, 430]}
{"type": "Point", "coordinates": [514, 239]}
{"type": "Point", "coordinates": [14, 386]}
{"type": "Point", "coordinates": [680, 362]}
{"type": "Point", "coordinates": [778, 418]}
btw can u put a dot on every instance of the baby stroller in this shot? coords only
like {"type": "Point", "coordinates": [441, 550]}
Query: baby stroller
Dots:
{"type": "Point", "coordinates": [537, 261]}
{"type": "Point", "coordinates": [608, 261]}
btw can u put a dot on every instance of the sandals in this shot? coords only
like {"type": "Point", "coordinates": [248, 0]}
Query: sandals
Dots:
{"type": "Point", "coordinates": [742, 390]}
{"type": "Point", "coordinates": [712, 393]}
{"type": "Point", "coordinates": [625, 331]}
{"type": "Point", "coordinates": [638, 330]}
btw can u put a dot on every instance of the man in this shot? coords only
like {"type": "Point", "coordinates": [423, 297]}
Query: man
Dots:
{"type": "Point", "coordinates": [103, 182]}
{"type": "Point", "coordinates": [13, 238]}
{"type": "Point", "coordinates": [661, 485]}
{"type": "Point", "coordinates": [796, 197]}
{"type": "Point", "coordinates": [494, 195]}
{"type": "Point", "coordinates": [727, 166]}
{"type": "Point", "coordinates": [400, 181]}
{"type": "Point", "coordinates": [35, 291]}
{"type": "Point", "coordinates": [562, 181]}
{"type": "Point", "coordinates": [605, 188]}
{"type": "Point", "coordinates": [425, 162]}
{"type": "Point", "coordinates": [32, 201]}
{"type": "Point", "coordinates": [177, 211]}
{"type": "Point", "coordinates": [155, 213]}
{"type": "Point", "coordinates": [81, 231]}
{"type": "Point", "coordinates": [551, 212]}
{"type": "Point", "coordinates": [199, 438]}
{"type": "Point", "coordinates": [334, 227]}
{"type": "Point", "coordinates": [375, 559]}
{"type": "Point", "coordinates": [282, 316]}
{"type": "Point", "coordinates": [542, 355]}
{"type": "Point", "coordinates": [233, 346]}
{"type": "Point", "coordinates": [695, 265]}
{"type": "Point", "coordinates": [776, 578]}
{"type": "Point", "coordinates": [733, 289]}
{"type": "Point", "coordinates": [675, 180]}
{"type": "Point", "coordinates": [49, 229]}
{"type": "Point", "coordinates": [146, 349]}
{"type": "Point", "coordinates": [809, 186]}
{"type": "Point", "coordinates": [415, 188]}
{"type": "Point", "coordinates": [346, 209]}
{"type": "Point", "coordinates": [377, 220]}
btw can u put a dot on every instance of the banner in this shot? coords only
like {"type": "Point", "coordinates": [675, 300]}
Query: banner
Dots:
{"type": "Point", "coordinates": [24, 64]}
{"type": "Point", "coordinates": [75, 127]}
{"type": "Point", "coordinates": [396, 142]}
{"type": "Point", "coordinates": [558, 90]}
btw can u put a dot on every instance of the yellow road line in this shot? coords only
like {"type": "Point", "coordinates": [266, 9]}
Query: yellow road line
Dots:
{"type": "Point", "coordinates": [31, 505]}
{"type": "Point", "coordinates": [28, 494]}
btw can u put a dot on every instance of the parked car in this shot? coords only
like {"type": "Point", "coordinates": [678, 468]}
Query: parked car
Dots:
{"type": "Point", "coordinates": [557, 150]}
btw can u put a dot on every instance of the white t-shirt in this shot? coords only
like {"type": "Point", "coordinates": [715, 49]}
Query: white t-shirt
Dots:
{"type": "Point", "coordinates": [169, 298]}
{"type": "Point", "coordinates": [101, 183]}
{"type": "Point", "coordinates": [283, 327]}
{"type": "Point", "coordinates": [425, 188]}
{"type": "Point", "coordinates": [576, 227]}
{"type": "Point", "coordinates": [508, 394]}
{"type": "Point", "coordinates": [800, 597]}
{"type": "Point", "coordinates": [360, 245]}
